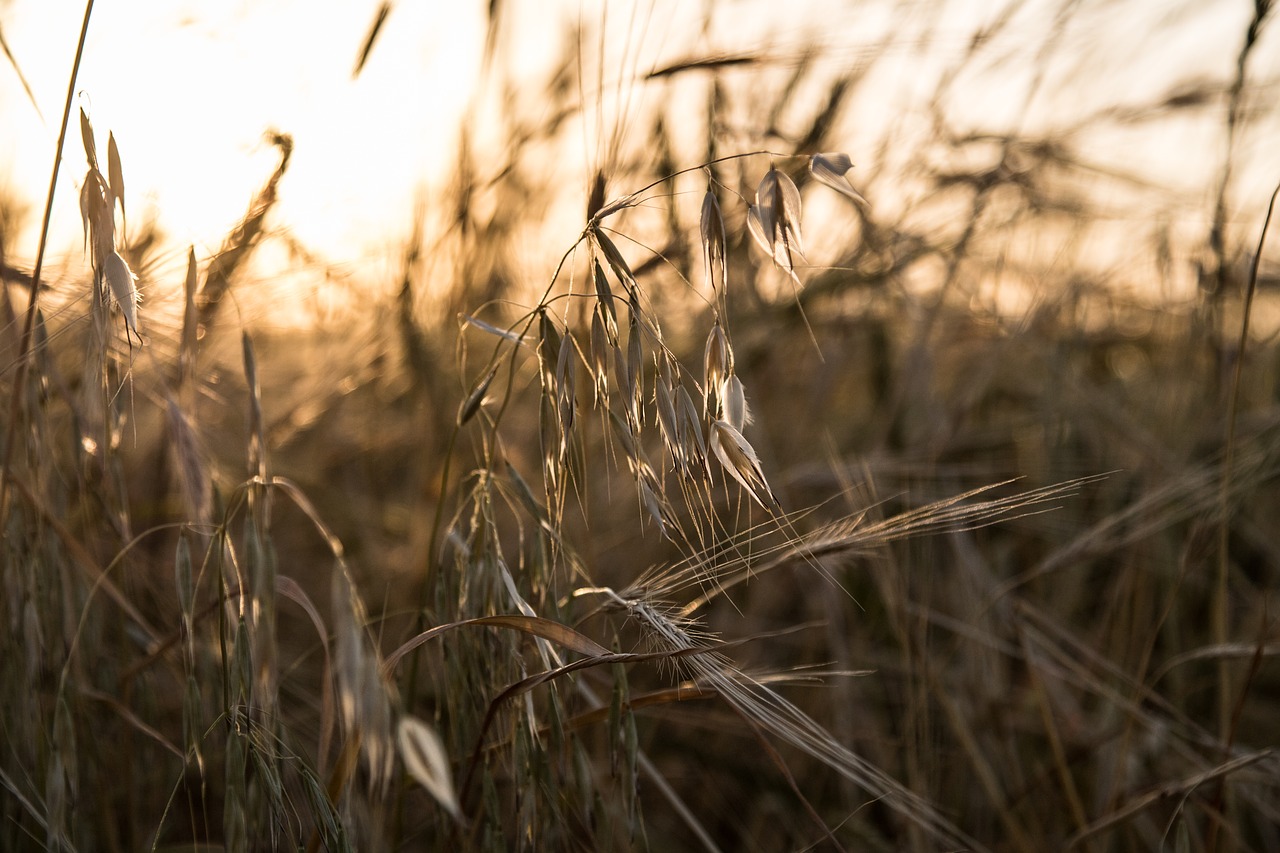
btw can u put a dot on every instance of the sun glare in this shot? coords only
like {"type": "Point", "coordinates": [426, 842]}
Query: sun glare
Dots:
{"type": "Point", "coordinates": [190, 90]}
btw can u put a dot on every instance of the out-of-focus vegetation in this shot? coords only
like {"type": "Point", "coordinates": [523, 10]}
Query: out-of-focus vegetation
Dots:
{"type": "Point", "coordinates": [928, 504]}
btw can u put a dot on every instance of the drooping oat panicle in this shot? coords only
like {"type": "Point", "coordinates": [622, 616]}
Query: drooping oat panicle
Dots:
{"type": "Point", "coordinates": [98, 200]}
{"type": "Point", "coordinates": [833, 170]}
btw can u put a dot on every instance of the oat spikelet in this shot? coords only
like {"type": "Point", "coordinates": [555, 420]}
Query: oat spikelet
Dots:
{"type": "Point", "coordinates": [600, 349]}
{"type": "Point", "coordinates": [427, 761]}
{"type": "Point", "coordinates": [711, 228]}
{"type": "Point", "coordinates": [736, 410]}
{"type": "Point", "coordinates": [717, 366]}
{"type": "Point", "coordinates": [124, 288]}
{"type": "Point", "coordinates": [774, 220]}
{"type": "Point", "coordinates": [741, 462]}
{"type": "Point", "coordinates": [833, 170]}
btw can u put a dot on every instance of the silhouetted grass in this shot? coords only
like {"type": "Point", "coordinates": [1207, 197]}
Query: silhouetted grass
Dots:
{"type": "Point", "coordinates": [781, 505]}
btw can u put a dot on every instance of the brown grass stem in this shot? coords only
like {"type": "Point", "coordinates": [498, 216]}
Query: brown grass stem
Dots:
{"type": "Point", "coordinates": [29, 323]}
{"type": "Point", "coordinates": [1227, 701]}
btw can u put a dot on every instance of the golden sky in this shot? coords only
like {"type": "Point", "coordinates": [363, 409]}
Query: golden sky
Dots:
{"type": "Point", "coordinates": [189, 88]}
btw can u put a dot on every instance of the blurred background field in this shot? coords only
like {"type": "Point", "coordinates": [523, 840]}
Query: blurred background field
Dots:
{"type": "Point", "coordinates": [423, 293]}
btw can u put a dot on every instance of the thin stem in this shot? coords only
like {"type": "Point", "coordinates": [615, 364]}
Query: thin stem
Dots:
{"type": "Point", "coordinates": [28, 327]}
{"type": "Point", "coordinates": [1227, 717]}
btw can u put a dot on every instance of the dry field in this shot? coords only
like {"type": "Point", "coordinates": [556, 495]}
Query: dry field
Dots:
{"type": "Point", "coordinates": [799, 468]}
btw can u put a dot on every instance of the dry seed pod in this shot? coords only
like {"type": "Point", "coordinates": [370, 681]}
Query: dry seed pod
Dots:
{"type": "Point", "coordinates": [599, 356]}
{"type": "Point", "coordinates": [774, 220]}
{"type": "Point", "coordinates": [114, 172]}
{"type": "Point", "coordinates": [626, 438]}
{"type": "Point", "coordinates": [635, 366]}
{"type": "Point", "coordinates": [566, 377]}
{"type": "Point", "coordinates": [740, 461]}
{"type": "Point", "coordinates": [122, 282]}
{"type": "Point", "coordinates": [667, 422]}
{"type": "Point", "coordinates": [86, 136]}
{"type": "Point", "coordinates": [651, 504]}
{"type": "Point", "coordinates": [717, 365]}
{"type": "Point", "coordinates": [690, 428]}
{"type": "Point", "coordinates": [604, 294]}
{"type": "Point", "coordinates": [616, 262]}
{"type": "Point", "coordinates": [548, 347]}
{"type": "Point", "coordinates": [475, 399]}
{"type": "Point", "coordinates": [833, 170]}
{"type": "Point", "coordinates": [96, 217]}
{"type": "Point", "coordinates": [427, 761]}
{"type": "Point", "coordinates": [711, 228]}
{"type": "Point", "coordinates": [736, 410]}
{"type": "Point", "coordinates": [620, 377]}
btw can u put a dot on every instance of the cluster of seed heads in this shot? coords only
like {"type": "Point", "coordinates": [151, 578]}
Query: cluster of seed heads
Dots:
{"type": "Point", "coordinates": [98, 199]}
{"type": "Point", "coordinates": [625, 338]}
